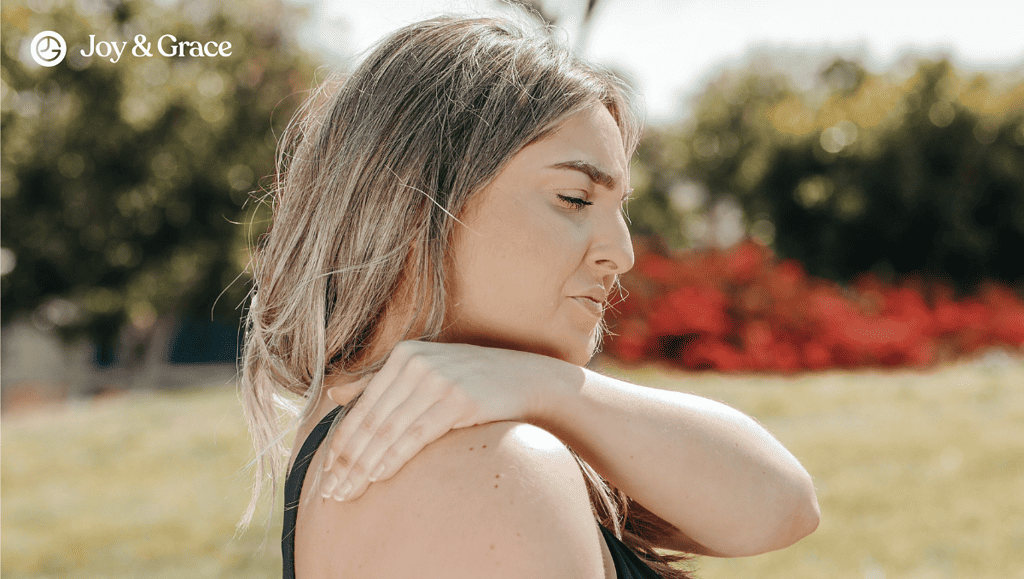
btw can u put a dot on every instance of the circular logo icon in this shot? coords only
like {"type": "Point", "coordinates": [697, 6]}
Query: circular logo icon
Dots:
{"type": "Point", "coordinates": [49, 48]}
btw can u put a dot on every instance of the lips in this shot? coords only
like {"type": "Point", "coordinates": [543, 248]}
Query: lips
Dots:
{"type": "Point", "coordinates": [592, 306]}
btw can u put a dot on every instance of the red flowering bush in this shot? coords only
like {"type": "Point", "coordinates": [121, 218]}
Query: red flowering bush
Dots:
{"type": "Point", "coordinates": [741, 309]}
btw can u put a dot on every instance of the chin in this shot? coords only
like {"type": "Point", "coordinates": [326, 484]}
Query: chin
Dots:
{"type": "Point", "coordinates": [580, 359]}
{"type": "Point", "coordinates": [581, 355]}
{"type": "Point", "coordinates": [575, 349]}
{"type": "Point", "coordinates": [578, 356]}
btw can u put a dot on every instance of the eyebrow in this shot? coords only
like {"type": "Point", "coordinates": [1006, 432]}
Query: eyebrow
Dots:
{"type": "Point", "coordinates": [597, 176]}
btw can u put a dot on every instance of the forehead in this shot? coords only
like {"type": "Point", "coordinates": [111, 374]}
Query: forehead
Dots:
{"type": "Point", "coordinates": [590, 136]}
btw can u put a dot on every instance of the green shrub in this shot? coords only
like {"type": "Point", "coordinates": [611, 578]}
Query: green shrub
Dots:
{"type": "Point", "coordinates": [861, 172]}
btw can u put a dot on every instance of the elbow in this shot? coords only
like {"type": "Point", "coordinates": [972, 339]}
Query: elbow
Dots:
{"type": "Point", "coordinates": [806, 516]}
{"type": "Point", "coordinates": [798, 517]}
{"type": "Point", "coordinates": [813, 513]}
{"type": "Point", "coordinates": [783, 520]}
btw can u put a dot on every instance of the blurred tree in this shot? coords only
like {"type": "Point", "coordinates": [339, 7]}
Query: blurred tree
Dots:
{"type": "Point", "coordinates": [860, 172]}
{"type": "Point", "coordinates": [123, 182]}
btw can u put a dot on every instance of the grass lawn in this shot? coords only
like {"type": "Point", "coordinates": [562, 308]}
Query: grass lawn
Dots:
{"type": "Point", "coordinates": [919, 475]}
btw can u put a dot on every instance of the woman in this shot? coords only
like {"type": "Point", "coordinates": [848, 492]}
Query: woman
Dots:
{"type": "Point", "coordinates": [447, 231]}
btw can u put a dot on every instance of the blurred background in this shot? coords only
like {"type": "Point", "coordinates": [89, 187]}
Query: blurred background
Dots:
{"type": "Point", "coordinates": [828, 220]}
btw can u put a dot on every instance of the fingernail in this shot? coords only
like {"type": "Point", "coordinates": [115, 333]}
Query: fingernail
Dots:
{"type": "Point", "coordinates": [329, 459]}
{"type": "Point", "coordinates": [377, 472]}
{"type": "Point", "coordinates": [343, 492]}
{"type": "Point", "coordinates": [330, 482]}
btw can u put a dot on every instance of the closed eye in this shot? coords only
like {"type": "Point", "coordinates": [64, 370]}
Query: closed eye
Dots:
{"type": "Point", "coordinates": [575, 203]}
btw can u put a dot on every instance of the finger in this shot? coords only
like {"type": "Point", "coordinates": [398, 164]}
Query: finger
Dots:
{"type": "Point", "coordinates": [375, 386]}
{"type": "Point", "coordinates": [379, 383]}
{"type": "Point", "coordinates": [434, 423]}
{"type": "Point", "coordinates": [397, 424]}
{"type": "Point", "coordinates": [368, 422]}
{"type": "Point", "coordinates": [372, 438]}
{"type": "Point", "coordinates": [342, 395]}
{"type": "Point", "coordinates": [430, 426]}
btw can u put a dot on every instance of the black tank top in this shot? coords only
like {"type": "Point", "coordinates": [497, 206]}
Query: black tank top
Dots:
{"type": "Point", "coordinates": [627, 564]}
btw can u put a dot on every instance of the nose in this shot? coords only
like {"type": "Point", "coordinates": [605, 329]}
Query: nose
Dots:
{"type": "Point", "coordinates": [611, 249]}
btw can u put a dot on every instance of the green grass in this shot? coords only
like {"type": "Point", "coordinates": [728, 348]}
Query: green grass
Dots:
{"type": "Point", "coordinates": [145, 485]}
{"type": "Point", "coordinates": [919, 475]}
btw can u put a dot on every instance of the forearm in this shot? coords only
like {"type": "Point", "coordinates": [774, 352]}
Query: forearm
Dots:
{"type": "Point", "coordinates": [707, 469]}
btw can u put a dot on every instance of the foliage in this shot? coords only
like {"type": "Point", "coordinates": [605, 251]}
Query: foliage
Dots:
{"type": "Point", "coordinates": [123, 182]}
{"type": "Point", "coordinates": [859, 172]}
{"type": "Point", "coordinates": [742, 310]}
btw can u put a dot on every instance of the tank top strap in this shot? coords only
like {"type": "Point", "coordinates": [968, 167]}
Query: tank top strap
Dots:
{"type": "Point", "coordinates": [293, 489]}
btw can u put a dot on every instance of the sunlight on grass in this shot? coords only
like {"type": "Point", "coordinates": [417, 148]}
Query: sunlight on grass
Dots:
{"type": "Point", "coordinates": [919, 475]}
{"type": "Point", "coordinates": [147, 485]}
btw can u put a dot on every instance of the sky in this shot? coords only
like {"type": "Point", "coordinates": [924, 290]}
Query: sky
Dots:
{"type": "Point", "coordinates": [672, 48]}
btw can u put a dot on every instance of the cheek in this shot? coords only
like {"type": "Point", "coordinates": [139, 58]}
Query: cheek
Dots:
{"type": "Point", "coordinates": [511, 276]}
{"type": "Point", "coordinates": [516, 264]}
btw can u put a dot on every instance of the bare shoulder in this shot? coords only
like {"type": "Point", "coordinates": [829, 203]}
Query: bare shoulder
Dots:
{"type": "Point", "coordinates": [503, 499]}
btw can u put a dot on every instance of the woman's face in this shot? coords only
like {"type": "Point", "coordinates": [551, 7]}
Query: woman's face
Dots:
{"type": "Point", "coordinates": [541, 245]}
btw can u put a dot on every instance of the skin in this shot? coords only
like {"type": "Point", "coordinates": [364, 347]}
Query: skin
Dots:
{"type": "Point", "coordinates": [538, 247]}
{"type": "Point", "coordinates": [536, 256]}
{"type": "Point", "coordinates": [542, 237]}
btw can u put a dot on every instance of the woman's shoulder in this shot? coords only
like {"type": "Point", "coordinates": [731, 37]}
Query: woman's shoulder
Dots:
{"type": "Point", "coordinates": [503, 499]}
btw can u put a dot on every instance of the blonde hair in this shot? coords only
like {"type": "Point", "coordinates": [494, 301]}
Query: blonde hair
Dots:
{"type": "Point", "coordinates": [368, 186]}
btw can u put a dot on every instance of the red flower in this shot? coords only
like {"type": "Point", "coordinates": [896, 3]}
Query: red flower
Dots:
{"type": "Point", "coordinates": [745, 261]}
{"type": "Point", "coordinates": [657, 268]}
{"type": "Point", "coordinates": [711, 354]}
{"type": "Point", "coordinates": [788, 279]}
{"type": "Point", "coordinates": [907, 305]}
{"type": "Point", "coordinates": [921, 354]}
{"type": "Point", "coordinates": [690, 310]}
{"type": "Point", "coordinates": [710, 301]}
{"type": "Point", "coordinates": [785, 357]}
{"type": "Point", "coordinates": [1009, 328]}
{"type": "Point", "coordinates": [816, 356]}
{"type": "Point", "coordinates": [633, 341]}
{"type": "Point", "coordinates": [756, 336]}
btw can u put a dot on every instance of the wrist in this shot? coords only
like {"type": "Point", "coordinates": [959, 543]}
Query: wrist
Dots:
{"type": "Point", "coordinates": [552, 391]}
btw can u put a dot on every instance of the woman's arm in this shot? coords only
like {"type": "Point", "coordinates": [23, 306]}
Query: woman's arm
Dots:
{"type": "Point", "coordinates": [707, 469]}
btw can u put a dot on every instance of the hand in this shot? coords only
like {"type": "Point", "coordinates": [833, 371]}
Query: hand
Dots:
{"type": "Point", "coordinates": [423, 390]}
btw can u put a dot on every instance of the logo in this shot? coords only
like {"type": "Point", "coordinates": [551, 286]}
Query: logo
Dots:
{"type": "Point", "coordinates": [49, 48]}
